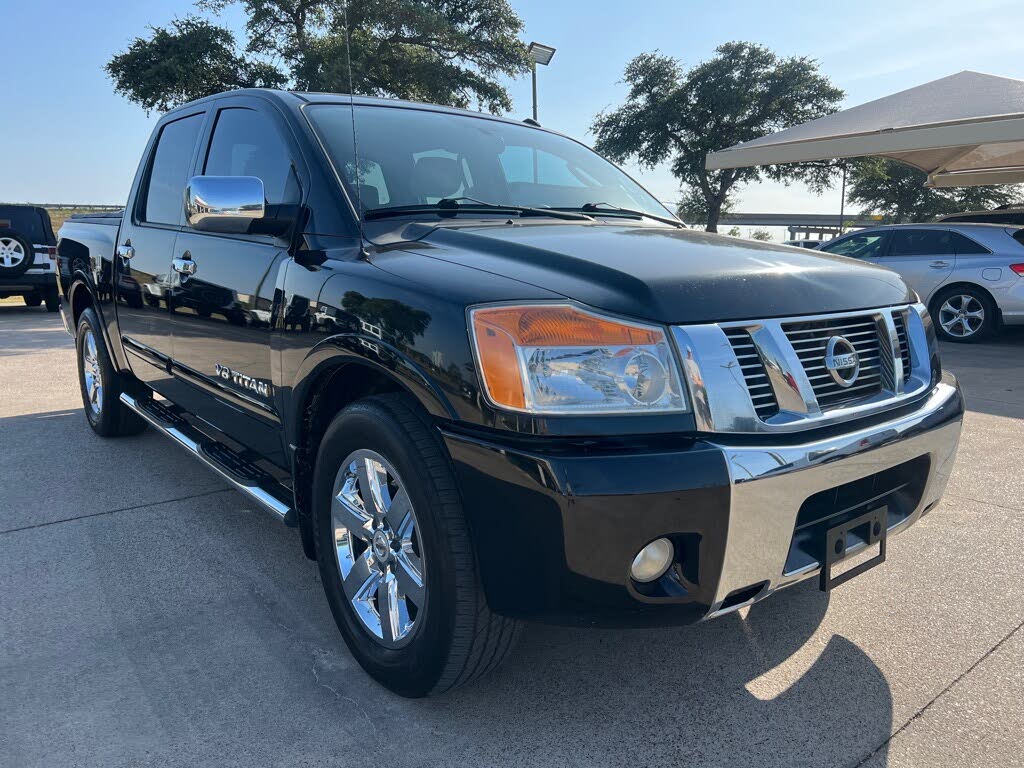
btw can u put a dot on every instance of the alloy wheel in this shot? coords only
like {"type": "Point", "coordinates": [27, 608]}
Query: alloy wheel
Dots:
{"type": "Point", "coordinates": [377, 547]}
{"type": "Point", "coordinates": [92, 373]}
{"type": "Point", "coordinates": [12, 253]}
{"type": "Point", "coordinates": [961, 316]}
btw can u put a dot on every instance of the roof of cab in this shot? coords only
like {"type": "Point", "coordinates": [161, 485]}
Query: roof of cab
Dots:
{"type": "Point", "coordinates": [298, 98]}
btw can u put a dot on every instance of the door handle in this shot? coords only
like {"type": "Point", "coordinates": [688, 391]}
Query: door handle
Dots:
{"type": "Point", "coordinates": [184, 266]}
{"type": "Point", "coordinates": [939, 264]}
{"type": "Point", "coordinates": [125, 251]}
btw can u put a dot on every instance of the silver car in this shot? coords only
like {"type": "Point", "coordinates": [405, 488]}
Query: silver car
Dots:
{"type": "Point", "coordinates": [971, 276]}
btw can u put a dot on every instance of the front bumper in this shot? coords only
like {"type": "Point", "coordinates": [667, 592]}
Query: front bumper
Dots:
{"type": "Point", "coordinates": [556, 529]}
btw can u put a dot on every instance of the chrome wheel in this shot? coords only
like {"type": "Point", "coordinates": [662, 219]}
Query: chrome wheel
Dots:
{"type": "Point", "coordinates": [961, 316]}
{"type": "Point", "coordinates": [12, 253]}
{"type": "Point", "coordinates": [378, 547]}
{"type": "Point", "coordinates": [92, 373]}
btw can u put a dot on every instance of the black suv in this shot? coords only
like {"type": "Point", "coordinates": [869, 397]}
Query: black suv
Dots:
{"type": "Point", "coordinates": [491, 379]}
{"type": "Point", "coordinates": [26, 247]}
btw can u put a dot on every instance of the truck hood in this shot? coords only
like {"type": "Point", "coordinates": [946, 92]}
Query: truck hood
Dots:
{"type": "Point", "coordinates": [664, 274]}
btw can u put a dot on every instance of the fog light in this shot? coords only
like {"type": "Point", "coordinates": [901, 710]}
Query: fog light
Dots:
{"type": "Point", "coordinates": [652, 561]}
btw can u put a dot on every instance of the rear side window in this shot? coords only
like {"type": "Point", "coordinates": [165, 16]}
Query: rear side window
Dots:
{"type": "Point", "coordinates": [922, 242]}
{"type": "Point", "coordinates": [168, 174]}
{"type": "Point", "coordinates": [964, 246]}
{"type": "Point", "coordinates": [865, 245]}
{"type": "Point", "coordinates": [246, 143]}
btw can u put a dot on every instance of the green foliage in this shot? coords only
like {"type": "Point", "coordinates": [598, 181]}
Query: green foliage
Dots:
{"type": "Point", "coordinates": [897, 192]}
{"type": "Point", "coordinates": [191, 59]}
{"type": "Point", "coordinates": [445, 52]}
{"type": "Point", "coordinates": [692, 207]}
{"type": "Point", "coordinates": [734, 231]}
{"type": "Point", "coordinates": [678, 116]}
{"type": "Point", "coordinates": [761, 234]}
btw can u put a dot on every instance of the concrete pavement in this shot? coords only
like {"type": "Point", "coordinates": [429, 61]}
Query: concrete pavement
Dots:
{"type": "Point", "coordinates": [150, 616]}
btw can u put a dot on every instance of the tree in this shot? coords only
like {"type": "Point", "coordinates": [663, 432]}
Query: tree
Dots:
{"type": "Point", "coordinates": [743, 92]}
{"type": "Point", "coordinates": [444, 51]}
{"type": "Point", "coordinates": [692, 207]}
{"type": "Point", "coordinates": [896, 191]}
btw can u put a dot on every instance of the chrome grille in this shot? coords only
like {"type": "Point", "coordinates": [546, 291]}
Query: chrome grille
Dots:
{"type": "Point", "coordinates": [809, 340]}
{"type": "Point", "coordinates": [758, 385]}
{"type": "Point", "coordinates": [900, 320]}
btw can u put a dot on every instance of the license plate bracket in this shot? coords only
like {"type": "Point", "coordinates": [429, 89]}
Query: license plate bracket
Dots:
{"type": "Point", "coordinates": [875, 526]}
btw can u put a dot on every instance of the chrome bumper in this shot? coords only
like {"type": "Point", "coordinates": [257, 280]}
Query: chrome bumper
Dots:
{"type": "Point", "coordinates": [769, 484]}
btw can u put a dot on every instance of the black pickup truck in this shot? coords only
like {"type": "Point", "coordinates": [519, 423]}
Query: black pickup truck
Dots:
{"type": "Point", "coordinates": [490, 379]}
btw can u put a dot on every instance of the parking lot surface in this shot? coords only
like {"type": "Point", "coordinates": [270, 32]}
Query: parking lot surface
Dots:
{"type": "Point", "coordinates": [150, 616]}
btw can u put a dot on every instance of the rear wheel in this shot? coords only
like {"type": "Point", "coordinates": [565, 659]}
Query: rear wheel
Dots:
{"type": "Point", "coordinates": [964, 314]}
{"type": "Point", "coordinates": [100, 384]}
{"type": "Point", "coordinates": [395, 557]}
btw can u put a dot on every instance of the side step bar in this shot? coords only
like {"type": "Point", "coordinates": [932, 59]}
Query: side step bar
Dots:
{"type": "Point", "coordinates": [243, 475]}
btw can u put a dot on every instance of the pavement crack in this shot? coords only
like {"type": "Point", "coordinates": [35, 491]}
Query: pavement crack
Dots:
{"type": "Point", "coordinates": [920, 712]}
{"type": "Point", "coordinates": [114, 511]}
{"type": "Point", "coordinates": [980, 501]}
{"type": "Point", "coordinates": [319, 659]}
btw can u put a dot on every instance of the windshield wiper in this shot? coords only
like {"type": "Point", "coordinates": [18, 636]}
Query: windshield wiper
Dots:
{"type": "Point", "coordinates": [613, 209]}
{"type": "Point", "coordinates": [452, 206]}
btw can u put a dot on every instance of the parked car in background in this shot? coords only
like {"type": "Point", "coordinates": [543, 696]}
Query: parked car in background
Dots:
{"type": "Point", "coordinates": [1006, 214]}
{"type": "Point", "coordinates": [27, 246]}
{"type": "Point", "coordinates": [812, 244]}
{"type": "Point", "coordinates": [970, 276]}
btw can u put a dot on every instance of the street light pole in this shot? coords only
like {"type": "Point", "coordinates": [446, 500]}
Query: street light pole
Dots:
{"type": "Point", "coordinates": [533, 67]}
{"type": "Point", "coordinates": [842, 201]}
{"type": "Point", "coordinates": [539, 54]}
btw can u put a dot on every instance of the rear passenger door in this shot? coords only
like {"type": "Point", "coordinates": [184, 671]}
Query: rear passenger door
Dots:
{"type": "Point", "coordinates": [224, 310]}
{"type": "Point", "coordinates": [924, 257]}
{"type": "Point", "coordinates": [144, 248]}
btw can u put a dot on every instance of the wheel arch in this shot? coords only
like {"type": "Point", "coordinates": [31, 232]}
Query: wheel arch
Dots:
{"type": "Point", "coordinates": [332, 377]}
{"type": "Point", "coordinates": [933, 301]}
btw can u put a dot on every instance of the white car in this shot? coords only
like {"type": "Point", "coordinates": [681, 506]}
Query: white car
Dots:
{"type": "Point", "coordinates": [970, 276]}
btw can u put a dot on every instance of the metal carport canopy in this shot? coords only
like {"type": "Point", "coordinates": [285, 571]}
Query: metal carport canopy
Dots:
{"type": "Point", "coordinates": [963, 130]}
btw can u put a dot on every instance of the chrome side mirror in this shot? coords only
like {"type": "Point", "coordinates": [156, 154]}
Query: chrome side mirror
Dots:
{"type": "Point", "coordinates": [225, 204]}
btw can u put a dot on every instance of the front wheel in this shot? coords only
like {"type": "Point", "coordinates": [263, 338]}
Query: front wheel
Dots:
{"type": "Point", "coordinates": [100, 383]}
{"type": "Point", "coordinates": [964, 314]}
{"type": "Point", "coordinates": [395, 556]}
{"type": "Point", "coordinates": [32, 299]}
{"type": "Point", "coordinates": [52, 302]}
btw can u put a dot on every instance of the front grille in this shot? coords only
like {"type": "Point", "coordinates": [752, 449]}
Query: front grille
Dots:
{"type": "Point", "coordinates": [900, 320]}
{"type": "Point", "coordinates": [760, 388]}
{"type": "Point", "coordinates": [810, 338]}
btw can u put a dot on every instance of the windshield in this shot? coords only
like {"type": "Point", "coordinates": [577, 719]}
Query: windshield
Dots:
{"type": "Point", "coordinates": [418, 157]}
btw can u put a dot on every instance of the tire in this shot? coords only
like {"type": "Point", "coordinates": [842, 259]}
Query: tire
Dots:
{"type": "Point", "coordinates": [451, 638]}
{"type": "Point", "coordinates": [32, 299]}
{"type": "Point", "coordinates": [52, 302]}
{"type": "Point", "coordinates": [106, 414]}
{"type": "Point", "coordinates": [977, 324]}
{"type": "Point", "coordinates": [16, 254]}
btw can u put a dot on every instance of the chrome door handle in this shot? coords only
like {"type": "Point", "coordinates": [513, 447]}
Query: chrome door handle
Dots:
{"type": "Point", "coordinates": [125, 251]}
{"type": "Point", "coordinates": [939, 264]}
{"type": "Point", "coordinates": [184, 266]}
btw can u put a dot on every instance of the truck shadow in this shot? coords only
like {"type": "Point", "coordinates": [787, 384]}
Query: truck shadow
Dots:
{"type": "Point", "coordinates": [731, 692]}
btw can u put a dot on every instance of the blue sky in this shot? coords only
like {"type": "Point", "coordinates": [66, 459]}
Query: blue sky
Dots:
{"type": "Point", "coordinates": [66, 137]}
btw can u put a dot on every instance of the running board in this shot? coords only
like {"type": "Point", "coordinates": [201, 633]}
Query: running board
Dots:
{"type": "Point", "coordinates": [243, 475]}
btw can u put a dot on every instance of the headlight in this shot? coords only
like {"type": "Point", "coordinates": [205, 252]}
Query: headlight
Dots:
{"type": "Point", "coordinates": [559, 359]}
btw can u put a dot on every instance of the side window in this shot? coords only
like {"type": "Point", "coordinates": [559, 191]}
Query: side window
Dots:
{"type": "Point", "coordinates": [964, 246]}
{"type": "Point", "coordinates": [246, 143]}
{"type": "Point", "coordinates": [168, 173]}
{"type": "Point", "coordinates": [866, 245]}
{"type": "Point", "coordinates": [922, 242]}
